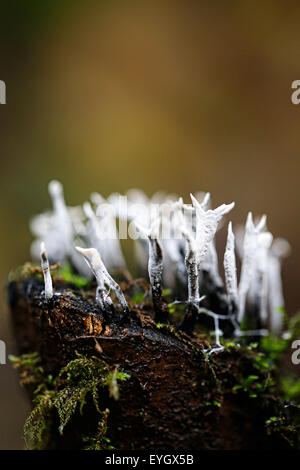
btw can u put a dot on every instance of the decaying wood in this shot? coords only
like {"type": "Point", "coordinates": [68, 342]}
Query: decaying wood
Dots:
{"type": "Point", "coordinates": [168, 401]}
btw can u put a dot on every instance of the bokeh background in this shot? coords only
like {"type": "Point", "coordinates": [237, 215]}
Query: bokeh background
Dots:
{"type": "Point", "coordinates": [175, 95]}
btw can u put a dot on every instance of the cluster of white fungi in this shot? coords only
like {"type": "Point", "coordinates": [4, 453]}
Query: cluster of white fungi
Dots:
{"type": "Point", "coordinates": [186, 257]}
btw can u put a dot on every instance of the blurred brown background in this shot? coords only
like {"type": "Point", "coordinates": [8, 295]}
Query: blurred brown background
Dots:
{"type": "Point", "coordinates": [162, 95]}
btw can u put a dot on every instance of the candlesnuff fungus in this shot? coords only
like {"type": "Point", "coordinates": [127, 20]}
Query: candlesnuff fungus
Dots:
{"type": "Point", "coordinates": [230, 270]}
{"type": "Point", "coordinates": [200, 244]}
{"type": "Point", "coordinates": [179, 248]}
{"type": "Point", "coordinates": [46, 273]}
{"type": "Point", "coordinates": [59, 237]}
{"type": "Point", "coordinates": [207, 224]}
{"type": "Point", "coordinates": [58, 230]}
{"type": "Point", "coordinates": [105, 231]}
{"type": "Point", "coordinates": [94, 235]}
{"type": "Point", "coordinates": [192, 265]}
{"type": "Point", "coordinates": [248, 261]}
{"type": "Point", "coordinates": [259, 288]}
{"type": "Point", "coordinates": [155, 267]}
{"type": "Point", "coordinates": [199, 233]}
{"type": "Point", "coordinates": [103, 278]}
{"type": "Point", "coordinates": [280, 249]}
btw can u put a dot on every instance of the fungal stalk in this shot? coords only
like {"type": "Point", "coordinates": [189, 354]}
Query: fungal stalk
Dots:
{"type": "Point", "coordinates": [46, 273]}
{"type": "Point", "coordinates": [260, 282]}
{"type": "Point", "coordinates": [191, 263]}
{"type": "Point", "coordinates": [54, 228]}
{"type": "Point", "coordinates": [104, 280]}
{"type": "Point", "coordinates": [155, 267]}
{"type": "Point", "coordinates": [93, 259]}
{"type": "Point", "coordinates": [109, 241]}
{"type": "Point", "coordinates": [279, 250]}
{"type": "Point", "coordinates": [210, 264]}
{"type": "Point", "coordinates": [62, 229]}
{"type": "Point", "coordinates": [248, 262]}
{"type": "Point", "coordinates": [185, 226]}
{"type": "Point", "coordinates": [191, 258]}
{"type": "Point", "coordinates": [230, 270]}
{"type": "Point", "coordinates": [200, 245]}
{"type": "Point", "coordinates": [94, 235]}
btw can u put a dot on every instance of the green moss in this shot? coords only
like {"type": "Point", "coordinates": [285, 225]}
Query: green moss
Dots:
{"type": "Point", "coordinates": [138, 298]}
{"type": "Point", "coordinates": [294, 326]}
{"type": "Point", "coordinates": [112, 379]}
{"type": "Point", "coordinates": [213, 403]}
{"type": "Point", "coordinates": [280, 425]}
{"type": "Point", "coordinates": [30, 369]}
{"type": "Point", "coordinates": [230, 345]}
{"type": "Point", "coordinates": [290, 387]}
{"type": "Point", "coordinates": [251, 385]}
{"type": "Point", "coordinates": [166, 292]}
{"type": "Point", "coordinates": [99, 441]}
{"type": "Point", "coordinates": [66, 274]}
{"type": "Point", "coordinates": [61, 273]}
{"type": "Point", "coordinates": [274, 346]}
{"type": "Point", "coordinates": [25, 272]}
{"type": "Point", "coordinates": [57, 400]}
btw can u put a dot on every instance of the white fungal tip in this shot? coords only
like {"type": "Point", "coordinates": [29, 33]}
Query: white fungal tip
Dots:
{"type": "Point", "coordinates": [81, 250]}
{"type": "Point", "coordinates": [190, 240]}
{"type": "Point", "coordinates": [43, 248]}
{"type": "Point", "coordinates": [265, 239]}
{"type": "Point", "coordinates": [185, 233]}
{"type": "Point", "coordinates": [281, 248]}
{"type": "Point", "coordinates": [249, 221]}
{"type": "Point", "coordinates": [227, 208]}
{"type": "Point", "coordinates": [97, 199]}
{"type": "Point", "coordinates": [142, 231]}
{"type": "Point", "coordinates": [93, 259]}
{"type": "Point", "coordinates": [155, 227]}
{"type": "Point", "coordinates": [55, 188]}
{"type": "Point", "coordinates": [46, 272]}
{"type": "Point", "coordinates": [223, 209]}
{"type": "Point", "coordinates": [262, 224]}
{"type": "Point", "coordinates": [194, 201]}
{"type": "Point", "coordinates": [87, 209]}
{"type": "Point", "coordinates": [91, 255]}
{"type": "Point", "coordinates": [44, 258]}
{"type": "Point", "coordinates": [206, 201]}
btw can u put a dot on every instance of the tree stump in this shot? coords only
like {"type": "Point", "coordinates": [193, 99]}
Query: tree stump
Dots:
{"type": "Point", "coordinates": [177, 396]}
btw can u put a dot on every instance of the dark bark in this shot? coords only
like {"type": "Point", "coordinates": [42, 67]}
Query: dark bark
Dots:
{"type": "Point", "coordinates": [168, 401]}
